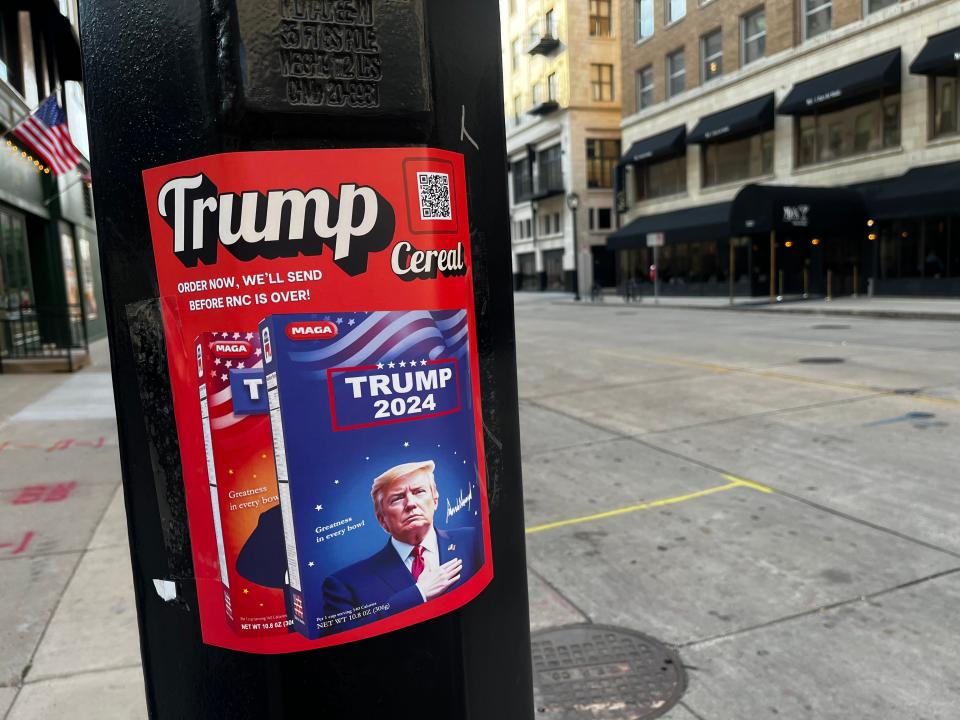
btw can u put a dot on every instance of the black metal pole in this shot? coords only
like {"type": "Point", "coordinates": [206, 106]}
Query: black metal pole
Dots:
{"type": "Point", "coordinates": [168, 81]}
{"type": "Point", "coordinates": [576, 259]}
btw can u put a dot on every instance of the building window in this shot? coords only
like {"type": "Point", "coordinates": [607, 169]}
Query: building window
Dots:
{"type": "Point", "coordinates": [16, 285]}
{"type": "Point", "coordinates": [753, 36]}
{"type": "Point", "coordinates": [676, 73]}
{"type": "Point", "coordinates": [601, 82]}
{"type": "Point", "coordinates": [711, 55]}
{"type": "Point", "coordinates": [602, 156]}
{"type": "Point", "coordinates": [857, 130]}
{"type": "Point", "coordinates": [738, 159]}
{"type": "Point", "coordinates": [658, 179]}
{"type": "Point", "coordinates": [517, 109]}
{"type": "Point", "coordinates": [873, 5]}
{"type": "Point", "coordinates": [553, 92]}
{"type": "Point", "coordinates": [645, 87]}
{"type": "Point", "coordinates": [601, 218]}
{"type": "Point", "coordinates": [644, 12]}
{"type": "Point", "coordinates": [551, 24]}
{"type": "Point", "coordinates": [817, 17]}
{"type": "Point", "coordinates": [522, 180]}
{"type": "Point", "coordinates": [946, 106]}
{"type": "Point", "coordinates": [9, 49]}
{"type": "Point", "coordinates": [674, 10]}
{"type": "Point", "coordinates": [549, 170]}
{"type": "Point", "coordinates": [550, 224]}
{"type": "Point", "coordinates": [515, 54]}
{"type": "Point", "coordinates": [534, 34]}
{"type": "Point", "coordinates": [600, 18]}
{"type": "Point", "coordinates": [535, 94]}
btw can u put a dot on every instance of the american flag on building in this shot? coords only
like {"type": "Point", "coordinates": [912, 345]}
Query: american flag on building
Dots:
{"type": "Point", "coordinates": [45, 130]}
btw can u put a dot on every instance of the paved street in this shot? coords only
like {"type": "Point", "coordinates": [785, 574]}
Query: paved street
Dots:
{"type": "Point", "coordinates": [771, 493]}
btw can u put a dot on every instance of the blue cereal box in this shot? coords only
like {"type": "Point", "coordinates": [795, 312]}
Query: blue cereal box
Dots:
{"type": "Point", "coordinates": [375, 427]}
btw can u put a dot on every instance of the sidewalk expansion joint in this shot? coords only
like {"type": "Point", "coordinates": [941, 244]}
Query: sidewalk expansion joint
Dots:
{"type": "Point", "coordinates": [819, 609]}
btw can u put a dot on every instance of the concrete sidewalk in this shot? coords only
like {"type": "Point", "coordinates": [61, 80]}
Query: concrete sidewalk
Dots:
{"type": "Point", "coordinates": [67, 618]}
{"type": "Point", "coordinates": [895, 308]}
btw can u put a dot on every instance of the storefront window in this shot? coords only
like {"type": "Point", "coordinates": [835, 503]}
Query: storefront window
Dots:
{"type": "Point", "coordinates": [738, 159]}
{"type": "Point", "coordinates": [946, 108]}
{"type": "Point", "coordinates": [657, 179]}
{"type": "Point", "coordinates": [16, 287]}
{"type": "Point", "coordinates": [864, 128]}
{"type": "Point", "coordinates": [920, 249]}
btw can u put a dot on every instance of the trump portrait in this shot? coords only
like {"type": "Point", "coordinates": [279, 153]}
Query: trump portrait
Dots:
{"type": "Point", "coordinates": [418, 562]}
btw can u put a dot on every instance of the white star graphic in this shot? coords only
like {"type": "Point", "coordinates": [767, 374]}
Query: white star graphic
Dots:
{"type": "Point", "coordinates": [226, 335]}
{"type": "Point", "coordinates": [391, 364]}
{"type": "Point", "coordinates": [336, 482]}
{"type": "Point", "coordinates": [258, 352]}
{"type": "Point", "coordinates": [229, 363]}
{"type": "Point", "coordinates": [413, 363]}
{"type": "Point", "coordinates": [351, 322]}
{"type": "Point", "coordinates": [402, 364]}
{"type": "Point", "coordinates": [423, 362]}
{"type": "Point", "coordinates": [318, 508]}
{"type": "Point", "coordinates": [310, 564]}
{"type": "Point", "coordinates": [464, 462]}
{"type": "Point", "coordinates": [236, 336]}
{"type": "Point", "coordinates": [379, 366]}
{"type": "Point", "coordinates": [367, 457]}
{"type": "Point", "coordinates": [223, 377]}
{"type": "Point", "coordinates": [406, 444]}
{"type": "Point", "coordinates": [217, 361]}
{"type": "Point", "coordinates": [240, 365]}
{"type": "Point", "coordinates": [454, 452]}
{"type": "Point", "coordinates": [249, 336]}
{"type": "Point", "coordinates": [213, 373]}
{"type": "Point", "coordinates": [339, 321]}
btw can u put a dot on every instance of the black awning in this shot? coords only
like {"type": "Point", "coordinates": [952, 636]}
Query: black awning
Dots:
{"type": "Point", "coordinates": [667, 144]}
{"type": "Point", "coordinates": [748, 118]}
{"type": "Point", "coordinates": [822, 210]}
{"type": "Point", "coordinates": [844, 86]}
{"type": "Point", "coordinates": [919, 192]}
{"type": "Point", "coordinates": [940, 56]}
{"type": "Point", "coordinates": [701, 223]}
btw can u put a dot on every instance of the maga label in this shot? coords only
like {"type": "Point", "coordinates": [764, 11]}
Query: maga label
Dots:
{"type": "Point", "coordinates": [319, 318]}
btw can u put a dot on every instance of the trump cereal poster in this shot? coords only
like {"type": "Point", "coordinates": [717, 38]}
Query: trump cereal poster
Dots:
{"type": "Point", "coordinates": [318, 311]}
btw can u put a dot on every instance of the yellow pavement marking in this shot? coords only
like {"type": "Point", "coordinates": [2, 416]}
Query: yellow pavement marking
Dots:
{"type": "Point", "coordinates": [735, 482]}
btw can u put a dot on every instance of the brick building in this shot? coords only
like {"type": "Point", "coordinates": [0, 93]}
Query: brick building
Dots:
{"type": "Point", "coordinates": [562, 86]}
{"type": "Point", "coordinates": [810, 146]}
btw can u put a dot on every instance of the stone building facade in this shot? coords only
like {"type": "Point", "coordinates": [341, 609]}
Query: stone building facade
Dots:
{"type": "Point", "coordinates": [562, 95]}
{"type": "Point", "coordinates": [845, 94]}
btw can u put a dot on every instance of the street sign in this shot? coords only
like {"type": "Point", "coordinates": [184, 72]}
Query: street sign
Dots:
{"type": "Point", "coordinates": [655, 239]}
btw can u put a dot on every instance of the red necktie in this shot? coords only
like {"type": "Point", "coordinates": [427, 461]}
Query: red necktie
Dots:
{"type": "Point", "coordinates": [417, 567]}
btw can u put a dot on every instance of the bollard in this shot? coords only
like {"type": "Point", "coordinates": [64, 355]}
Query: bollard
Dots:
{"type": "Point", "coordinates": [829, 285]}
{"type": "Point", "coordinates": [806, 283]}
{"type": "Point", "coordinates": [344, 162]}
{"type": "Point", "coordinates": [856, 281]}
{"type": "Point", "coordinates": [780, 285]}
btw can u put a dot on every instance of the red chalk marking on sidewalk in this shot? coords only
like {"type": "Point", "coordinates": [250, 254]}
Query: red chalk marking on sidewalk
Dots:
{"type": "Point", "coordinates": [23, 543]}
{"type": "Point", "coordinates": [30, 494]}
{"type": "Point", "coordinates": [63, 444]}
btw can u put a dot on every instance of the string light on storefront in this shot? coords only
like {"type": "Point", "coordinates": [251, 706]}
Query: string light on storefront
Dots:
{"type": "Point", "coordinates": [15, 149]}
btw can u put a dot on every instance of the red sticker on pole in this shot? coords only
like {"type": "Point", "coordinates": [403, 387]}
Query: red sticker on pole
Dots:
{"type": "Point", "coordinates": [319, 320]}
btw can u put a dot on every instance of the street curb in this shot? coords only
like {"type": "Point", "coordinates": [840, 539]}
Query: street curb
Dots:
{"type": "Point", "coordinates": [763, 308]}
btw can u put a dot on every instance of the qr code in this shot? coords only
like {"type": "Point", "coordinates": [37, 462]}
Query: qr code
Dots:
{"type": "Point", "coordinates": [434, 196]}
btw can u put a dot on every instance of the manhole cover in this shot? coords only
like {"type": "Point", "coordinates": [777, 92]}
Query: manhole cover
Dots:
{"type": "Point", "coordinates": [603, 673]}
{"type": "Point", "coordinates": [831, 327]}
{"type": "Point", "coordinates": [821, 360]}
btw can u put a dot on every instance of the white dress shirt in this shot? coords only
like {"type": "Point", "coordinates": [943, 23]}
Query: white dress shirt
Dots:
{"type": "Point", "coordinates": [431, 553]}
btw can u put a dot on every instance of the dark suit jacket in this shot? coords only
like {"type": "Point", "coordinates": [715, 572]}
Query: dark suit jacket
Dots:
{"type": "Point", "coordinates": [383, 578]}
